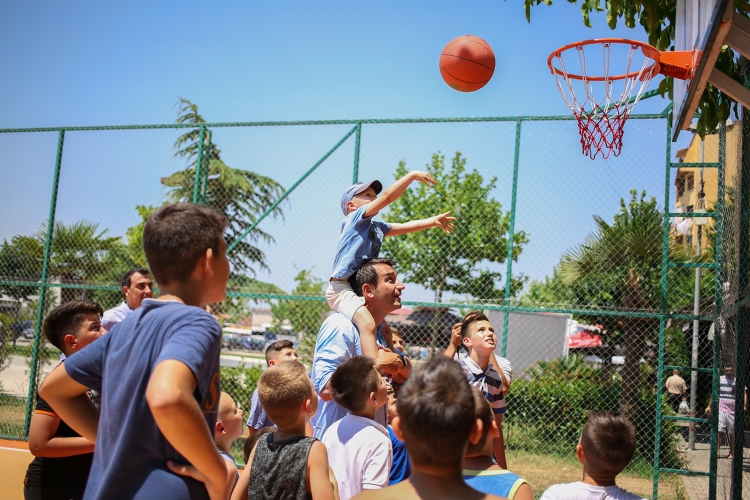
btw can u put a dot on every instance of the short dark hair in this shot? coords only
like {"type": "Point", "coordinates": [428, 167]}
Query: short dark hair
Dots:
{"type": "Point", "coordinates": [177, 235]}
{"type": "Point", "coordinates": [436, 409]}
{"type": "Point", "coordinates": [472, 317]}
{"type": "Point", "coordinates": [66, 318]}
{"type": "Point", "coordinates": [251, 441]}
{"type": "Point", "coordinates": [353, 381]}
{"type": "Point", "coordinates": [483, 412]}
{"type": "Point", "coordinates": [274, 349]}
{"type": "Point", "coordinates": [367, 274]}
{"type": "Point", "coordinates": [282, 389]}
{"type": "Point", "coordinates": [140, 270]}
{"type": "Point", "coordinates": [608, 440]}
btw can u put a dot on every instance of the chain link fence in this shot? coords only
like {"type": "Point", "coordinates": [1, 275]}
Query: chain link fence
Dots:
{"type": "Point", "coordinates": [587, 269]}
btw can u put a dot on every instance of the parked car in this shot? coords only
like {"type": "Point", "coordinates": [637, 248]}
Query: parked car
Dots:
{"type": "Point", "coordinates": [253, 342]}
{"type": "Point", "coordinates": [22, 329]}
{"type": "Point", "coordinates": [231, 341]}
{"type": "Point", "coordinates": [271, 337]}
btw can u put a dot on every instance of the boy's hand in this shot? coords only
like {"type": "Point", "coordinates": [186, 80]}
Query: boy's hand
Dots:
{"type": "Point", "coordinates": [456, 335]}
{"type": "Point", "coordinates": [444, 222]}
{"type": "Point", "coordinates": [424, 177]}
{"type": "Point", "coordinates": [217, 490]}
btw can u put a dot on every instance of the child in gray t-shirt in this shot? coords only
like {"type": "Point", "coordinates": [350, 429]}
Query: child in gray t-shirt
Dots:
{"type": "Point", "coordinates": [361, 239]}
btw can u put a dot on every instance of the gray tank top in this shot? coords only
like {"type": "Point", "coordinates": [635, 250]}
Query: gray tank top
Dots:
{"type": "Point", "coordinates": [280, 469]}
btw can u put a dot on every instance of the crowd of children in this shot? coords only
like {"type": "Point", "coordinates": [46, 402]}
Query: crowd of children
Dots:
{"type": "Point", "coordinates": [140, 412]}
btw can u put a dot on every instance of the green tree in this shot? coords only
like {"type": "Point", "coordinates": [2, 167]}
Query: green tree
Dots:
{"type": "Point", "coordinates": [657, 18]}
{"type": "Point", "coordinates": [459, 262]}
{"type": "Point", "coordinates": [305, 316]}
{"type": "Point", "coordinates": [240, 194]}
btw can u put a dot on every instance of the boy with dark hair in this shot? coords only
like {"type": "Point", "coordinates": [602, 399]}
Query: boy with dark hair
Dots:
{"type": "Point", "coordinates": [158, 373]}
{"type": "Point", "coordinates": [228, 427]}
{"type": "Point", "coordinates": [63, 458]}
{"type": "Point", "coordinates": [252, 440]}
{"type": "Point", "coordinates": [279, 352]}
{"type": "Point", "coordinates": [606, 447]}
{"type": "Point", "coordinates": [286, 464]}
{"type": "Point", "coordinates": [361, 239]}
{"type": "Point", "coordinates": [436, 420]}
{"type": "Point", "coordinates": [480, 471]}
{"type": "Point", "coordinates": [478, 337]}
{"type": "Point", "coordinates": [359, 448]}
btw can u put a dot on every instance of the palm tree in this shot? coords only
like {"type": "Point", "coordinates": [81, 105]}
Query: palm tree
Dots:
{"type": "Point", "coordinates": [240, 194]}
{"type": "Point", "coordinates": [627, 256]}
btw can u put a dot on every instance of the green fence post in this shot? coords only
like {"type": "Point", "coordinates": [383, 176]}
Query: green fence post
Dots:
{"type": "Point", "coordinates": [355, 172]}
{"type": "Point", "coordinates": [34, 368]}
{"type": "Point", "coordinates": [511, 230]}
{"type": "Point", "coordinates": [718, 308]}
{"type": "Point", "coordinates": [662, 307]}
{"type": "Point", "coordinates": [198, 165]}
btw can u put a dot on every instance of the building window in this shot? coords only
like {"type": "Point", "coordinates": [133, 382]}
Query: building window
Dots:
{"type": "Point", "coordinates": [689, 182]}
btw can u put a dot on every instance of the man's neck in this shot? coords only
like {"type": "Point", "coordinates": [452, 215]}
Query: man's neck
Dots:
{"type": "Point", "coordinates": [377, 314]}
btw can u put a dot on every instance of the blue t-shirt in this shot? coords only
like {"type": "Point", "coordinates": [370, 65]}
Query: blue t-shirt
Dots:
{"type": "Point", "coordinates": [257, 418]}
{"type": "Point", "coordinates": [502, 483]}
{"type": "Point", "coordinates": [338, 340]}
{"type": "Point", "coordinates": [361, 239]}
{"type": "Point", "coordinates": [400, 468]}
{"type": "Point", "coordinates": [130, 460]}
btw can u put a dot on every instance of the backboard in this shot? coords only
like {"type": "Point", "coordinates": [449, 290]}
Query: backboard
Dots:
{"type": "Point", "coordinates": [703, 26]}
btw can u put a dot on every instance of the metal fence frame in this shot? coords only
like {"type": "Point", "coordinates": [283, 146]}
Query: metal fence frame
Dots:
{"type": "Point", "coordinates": [199, 195]}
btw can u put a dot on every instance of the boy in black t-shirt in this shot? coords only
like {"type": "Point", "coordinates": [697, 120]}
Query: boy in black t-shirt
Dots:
{"type": "Point", "coordinates": [63, 457]}
{"type": "Point", "coordinates": [158, 372]}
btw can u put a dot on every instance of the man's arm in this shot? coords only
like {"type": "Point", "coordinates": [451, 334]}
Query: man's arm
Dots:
{"type": "Point", "coordinates": [442, 221]}
{"type": "Point", "coordinates": [71, 403]}
{"type": "Point", "coordinates": [395, 190]}
{"type": "Point", "coordinates": [170, 397]}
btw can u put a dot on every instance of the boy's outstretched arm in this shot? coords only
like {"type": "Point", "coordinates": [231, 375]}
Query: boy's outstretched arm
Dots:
{"type": "Point", "coordinates": [71, 403]}
{"type": "Point", "coordinates": [318, 481]}
{"type": "Point", "coordinates": [442, 221]}
{"type": "Point", "coordinates": [396, 189]}
{"type": "Point", "coordinates": [177, 414]}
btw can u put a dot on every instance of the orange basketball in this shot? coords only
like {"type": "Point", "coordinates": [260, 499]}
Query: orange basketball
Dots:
{"type": "Point", "coordinates": [467, 63]}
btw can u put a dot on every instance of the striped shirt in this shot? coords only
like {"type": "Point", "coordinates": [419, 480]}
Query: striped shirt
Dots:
{"type": "Point", "coordinates": [488, 381]}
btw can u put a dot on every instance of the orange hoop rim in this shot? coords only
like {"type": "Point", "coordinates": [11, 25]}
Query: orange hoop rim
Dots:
{"type": "Point", "coordinates": [648, 50]}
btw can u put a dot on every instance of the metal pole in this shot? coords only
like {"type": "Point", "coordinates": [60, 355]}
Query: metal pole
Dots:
{"type": "Point", "coordinates": [355, 171]}
{"type": "Point", "coordinates": [696, 311]}
{"type": "Point", "coordinates": [662, 309]}
{"type": "Point", "coordinates": [511, 230]}
{"type": "Point", "coordinates": [43, 287]}
{"type": "Point", "coordinates": [198, 162]}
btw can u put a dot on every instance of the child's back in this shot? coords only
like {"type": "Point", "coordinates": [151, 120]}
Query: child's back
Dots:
{"type": "Point", "coordinates": [157, 331]}
{"type": "Point", "coordinates": [280, 468]}
{"type": "Point", "coordinates": [583, 491]}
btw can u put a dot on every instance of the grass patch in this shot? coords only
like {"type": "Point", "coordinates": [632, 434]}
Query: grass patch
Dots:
{"type": "Point", "coordinates": [12, 415]}
{"type": "Point", "coordinates": [49, 352]}
{"type": "Point", "coordinates": [543, 470]}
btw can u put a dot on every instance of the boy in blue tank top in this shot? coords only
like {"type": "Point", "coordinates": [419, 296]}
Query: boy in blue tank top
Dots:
{"type": "Point", "coordinates": [157, 371]}
{"type": "Point", "coordinates": [480, 471]}
{"type": "Point", "coordinates": [361, 239]}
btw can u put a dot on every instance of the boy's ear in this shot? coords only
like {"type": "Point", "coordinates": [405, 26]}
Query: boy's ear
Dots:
{"type": "Point", "coordinates": [271, 362]}
{"type": "Point", "coordinates": [219, 428]}
{"type": "Point", "coordinates": [70, 341]}
{"type": "Point", "coordinates": [476, 431]}
{"type": "Point", "coordinates": [466, 342]}
{"type": "Point", "coordinates": [207, 261]}
{"type": "Point", "coordinates": [307, 406]}
{"type": "Point", "coordinates": [396, 426]}
{"type": "Point", "coordinates": [494, 429]}
{"type": "Point", "coordinates": [580, 454]}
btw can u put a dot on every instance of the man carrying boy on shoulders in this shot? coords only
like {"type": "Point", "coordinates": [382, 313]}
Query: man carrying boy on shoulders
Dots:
{"type": "Point", "coordinates": [159, 378]}
{"type": "Point", "coordinates": [338, 339]}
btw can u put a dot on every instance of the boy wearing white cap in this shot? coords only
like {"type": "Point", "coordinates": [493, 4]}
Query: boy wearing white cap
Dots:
{"type": "Point", "coordinates": [361, 239]}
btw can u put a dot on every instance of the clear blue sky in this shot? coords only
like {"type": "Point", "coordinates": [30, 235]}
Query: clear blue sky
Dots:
{"type": "Point", "coordinates": [106, 63]}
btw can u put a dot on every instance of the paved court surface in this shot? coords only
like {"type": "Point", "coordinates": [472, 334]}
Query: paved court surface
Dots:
{"type": "Point", "coordinates": [14, 457]}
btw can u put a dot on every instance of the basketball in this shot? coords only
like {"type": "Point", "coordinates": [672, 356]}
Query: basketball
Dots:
{"type": "Point", "coordinates": [467, 63]}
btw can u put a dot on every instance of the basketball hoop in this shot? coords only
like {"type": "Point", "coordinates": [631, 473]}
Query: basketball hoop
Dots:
{"type": "Point", "coordinates": [610, 98]}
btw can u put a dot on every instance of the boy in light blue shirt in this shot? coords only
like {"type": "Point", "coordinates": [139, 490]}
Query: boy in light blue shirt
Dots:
{"type": "Point", "coordinates": [361, 239]}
